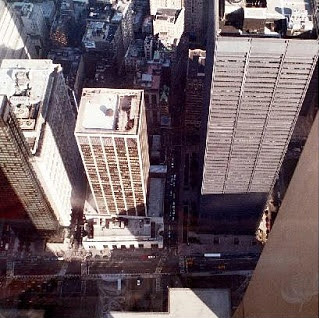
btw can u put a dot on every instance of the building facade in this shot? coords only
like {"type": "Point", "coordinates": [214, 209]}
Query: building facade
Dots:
{"type": "Point", "coordinates": [38, 96]}
{"type": "Point", "coordinates": [21, 192]}
{"type": "Point", "coordinates": [258, 85]}
{"type": "Point", "coordinates": [194, 92]}
{"type": "Point", "coordinates": [195, 18]}
{"type": "Point", "coordinates": [286, 270]}
{"type": "Point", "coordinates": [14, 41]}
{"type": "Point", "coordinates": [112, 137]}
{"type": "Point", "coordinates": [258, 71]}
{"type": "Point", "coordinates": [34, 23]}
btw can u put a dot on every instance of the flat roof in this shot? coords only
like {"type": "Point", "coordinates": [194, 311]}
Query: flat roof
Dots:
{"type": "Point", "coordinates": [189, 303]}
{"type": "Point", "coordinates": [167, 12]}
{"type": "Point", "coordinates": [100, 111]}
{"type": "Point", "coordinates": [297, 18]}
{"type": "Point", "coordinates": [160, 169]}
{"type": "Point", "coordinates": [27, 84]}
{"type": "Point", "coordinates": [109, 111]}
{"type": "Point", "coordinates": [156, 197]}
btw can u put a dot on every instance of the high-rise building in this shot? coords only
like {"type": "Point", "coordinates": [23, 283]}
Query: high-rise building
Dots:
{"type": "Point", "coordinates": [194, 91]}
{"type": "Point", "coordinates": [112, 137]}
{"type": "Point", "coordinates": [260, 67]}
{"type": "Point", "coordinates": [161, 4]}
{"type": "Point", "coordinates": [14, 41]}
{"type": "Point", "coordinates": [37, 95]}
{"type": "Point", "coordinates": [21, 193]}
{"type": "Point", "coordinates": [34, 24]}
{"type": "Point", "coordinates": [195, 18]}
{"type": "Point", "coordinates": [285, 281]}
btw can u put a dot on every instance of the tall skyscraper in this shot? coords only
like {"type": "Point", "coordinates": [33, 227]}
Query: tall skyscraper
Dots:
{"type": "Point", "coordinates": [112, 137]}
{"type": "Point", "coordinates": [285, 281]}
{"type": "Point", "coordinates": [195, 18]}
{"type": "Point", "coordinates": [14, 41]}
{"type": "Point", "coordinates": [21, 194]}
{"type": "Point", "coordinates": [195, 80]}
{"type": "Point", "coordinates": [37, 95]}
{"type": "Point", "coordinates": [261, 59]}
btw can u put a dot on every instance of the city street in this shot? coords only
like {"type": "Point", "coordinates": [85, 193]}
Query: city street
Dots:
{"type": "Point", "coordinates": [203, 264]}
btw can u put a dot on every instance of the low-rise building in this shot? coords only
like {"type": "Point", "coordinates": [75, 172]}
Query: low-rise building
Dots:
{"type": "Point", "coordinates": [107, 233]}
{"type": "Point", "coordinates": [134, 56]}
{"type": "Point", "coordinates": [149, 46]}
{"type": "Point", "coordinates": [149, 79]}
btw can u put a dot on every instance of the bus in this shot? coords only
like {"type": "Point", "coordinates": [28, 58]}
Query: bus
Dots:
{"type": "Point", "coordinates": [217, 255]}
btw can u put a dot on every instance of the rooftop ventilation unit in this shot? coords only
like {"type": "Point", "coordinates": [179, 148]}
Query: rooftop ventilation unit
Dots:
{"type": "Point", "coordinates": [27, 124]}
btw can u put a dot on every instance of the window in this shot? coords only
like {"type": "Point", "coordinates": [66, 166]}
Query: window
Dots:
{"type": "Point", "coordinates": [105, 246]}
{"type": "Point", "coordinates": [141, 245]}
{"type": "Point", "coordinates": [132, 246]}
{"type": "Point", "coordinates": [123, 247]}
{"type": "Point", "coordinates": [154, 100]}
{"type": "Point", "coordinates": [154, 245]}
{"type": "Point", "coordinates": [114, 247]}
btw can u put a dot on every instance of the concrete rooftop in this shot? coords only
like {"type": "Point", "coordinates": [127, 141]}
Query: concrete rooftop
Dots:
{"type": "Point", "coordinates": [109, 111]}
{"type": "Point", "coordinates": [188, 303]}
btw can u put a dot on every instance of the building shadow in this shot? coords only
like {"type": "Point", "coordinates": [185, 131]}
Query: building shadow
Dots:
{"type": "Point", "coordinates": [231, 213]}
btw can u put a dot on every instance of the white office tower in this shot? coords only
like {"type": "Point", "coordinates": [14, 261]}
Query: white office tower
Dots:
{"type": "Point", "coordinates": [261, 70]}
{"type": "Point", "coordinates": [112, 137]}
{"type": "Point", "coordinates": [15, 43]}
{"type": "Point", "coordinates": [37, 94]}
